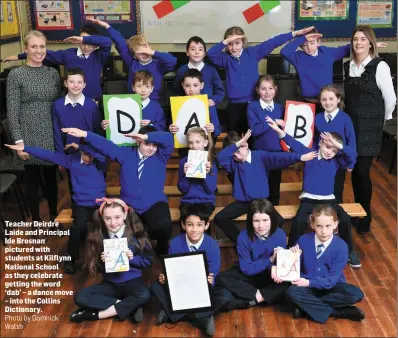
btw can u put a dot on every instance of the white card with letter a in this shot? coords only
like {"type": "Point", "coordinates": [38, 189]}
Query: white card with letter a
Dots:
{"type": "Point", "coordinates": [115, 252]}
{"type": "Point", "coordinates": [287, 265]}
{"type": "Point", "coordinates": [197, 163]}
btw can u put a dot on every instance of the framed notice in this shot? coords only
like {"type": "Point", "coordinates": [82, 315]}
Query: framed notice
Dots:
{"type": "Point", "coordinates": [323, 10]}
{"type": "Point", "coordinates": [115, 11]}
{"type": "Point", "coordinates": [186, 278]}
{"type": "Point", "coordinates": [9, 24]}
{"type": "Point", "coordinates": [124, 112]}
{"type": "Point", "coordinates": [53, 15]}
{"type": "Point", "coordinates": [378, 14]}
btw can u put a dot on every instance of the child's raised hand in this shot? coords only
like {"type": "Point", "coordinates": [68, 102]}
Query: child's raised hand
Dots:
{"type": "Point", "coordinates": [17, 147]}
{"type": "Point", "coordinates": [129, 254]}
{"type": "Point", "coordinates": [302, 31]}
{"type": "Point", "coordinates": [305, 283]}
{"type": "Point", "coordinates": [72, 145]}
{"type": "Point", "coordinates": [209, 127]}
{"type": "Point", "coordinates": [162, 279]}
{"type": "Point", "coordinates": [296, 250]}
{"type": "Point", "coordinates": [208, 167]}
{"type": "Point", "coordinates": [144, 50]}
{"type": "Point", "coordinates": [104, 124]}
{"type": "Point", "coordinates": [273, 257]}
{"type": "Point", "coordinates": [309, 156]}
{"type": "Point", "coordinates": [280, 123]}
{"type": "Point", "coordinates": [233, 38]}
{"type": "Point", "coordinates": [381, 44]}
{"type": "Point", "coordinates": [98, 22]}
{"type": "Point", "coordinates": [330, 140]}
{"type": "Point", "coordinates": [211, 103]}
{"type": "Point", "coordinates": [11, 58]}
{"type": "Point", "coordinates": [273, 125]}
{"type": "Point", "coordinates": [173, 128]}
{"type": "Point", "coordinates": [315, 36]}
{"type": "Point", "coordinates": [144, 123]}
{"type": "Point", "coordinates": [103, 256]}
{"type": "Point", "coordinates": [210, 278]}
{"type": "Point", "coordinates": [74, 132]}
{"type": "Point", "coordinates": [74, 39]}
{"type": "Point", "coordinates": [274, 275]}
{"type": "Point", "coordinates": [244, 139]}
{"type": "Point", "coordinates": [137, 137]}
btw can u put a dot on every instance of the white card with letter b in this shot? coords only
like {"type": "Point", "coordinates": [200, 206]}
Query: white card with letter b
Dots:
{"type": "Point", "coordinates": [197, 160]}
{"type": "Point", "coordinates": [287, 265]}
{"type": "Point", "coordinates": [115, 252]}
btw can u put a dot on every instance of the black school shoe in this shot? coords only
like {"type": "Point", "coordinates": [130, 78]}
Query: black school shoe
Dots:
{"type": "Point", "coordinates": [137, 315]}
{"type": "Point", "coordinates": [162, 317]}
{"type": "Point", "coordinates": [205, 324]}
{"type": "Point", "coordinates": [238, 304]}
{"type": "Point", "coordinates": [82, 314]}
{"type": "Point", "coordinates": [297, 313]}
{"type": "Point", "coordinates": [350, 312]}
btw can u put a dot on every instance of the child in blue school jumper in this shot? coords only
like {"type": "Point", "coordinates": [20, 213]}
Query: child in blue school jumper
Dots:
{"type": "Point", "coordinates": [314, 63]}
{"type": "Point", "coordinates": [241, 66]}
{"type": "Point", "coordinates": [75, 110]}
{"type": "Point", "coordinates": [249, 171]}
{"type": "Point", "coordinates": [318, 183]}
{"type": "Point", "coordinates": [322, 291]}
{"type": "Point", "coordinates": [213, 87]}
{"type": "Point", "coordinates": [142, 176]}
{"type": "Point", "coordinates": [87, 57]}
{"type": "Point", "coordinates": [199, 190]}
{"type": "Point", "coordinates": [195, 221]}
{"type": "Point", "coordinates": [334, 119]}
{"type": "Point", "coordinates": [138, 55]}
{"type": "Point", "coordinates": [263, 136]}
{"type": "Point", "coordinates": [252, 280]}
{"type": "Point", "coordinates": [87, 169]}
{"type": "Point", "coordinates": [152, 112]}
{"type": "Point", "coordinates": [119, 294]}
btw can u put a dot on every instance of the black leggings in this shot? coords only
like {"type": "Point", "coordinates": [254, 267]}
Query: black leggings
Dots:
{"type": "Point", "coordinates": [34, 174]}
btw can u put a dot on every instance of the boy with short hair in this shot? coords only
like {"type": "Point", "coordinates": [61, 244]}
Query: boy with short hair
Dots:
{"type": "Point", "coordinates": [152, 112]}
{"type": "Point", "coordinates": [195, 221]}
{"type": "Point", "coordinates": [249, 170]}
{"type": "Point", "coordinates": [87, 57]}
{"type": "Point", "coordinates": [318, 183]}
{"type": "Point", "coordinates": [87, 169]}
{"type": "Point", "coordinates": [213, 87]}
{"type": "Point", "coordinates": [138, 55]}
{"type": "Point", "coordinates": [74, 111]}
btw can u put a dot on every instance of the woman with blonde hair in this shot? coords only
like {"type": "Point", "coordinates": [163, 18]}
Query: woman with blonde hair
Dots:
{"type": "Point", "coordinates": [370, 100]}
{"type": "Point", "coordinates": [31, 90]}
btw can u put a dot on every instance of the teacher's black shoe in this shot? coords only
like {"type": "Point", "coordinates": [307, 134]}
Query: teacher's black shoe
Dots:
{"type": "Point", "coordinates": [162, 317]}
{"type": "Point", "coordinates": [350, 312]}
{"type": "Point", "coordinates": [297, 313]}
{"type": "Point", "coordinates": [205, 324]}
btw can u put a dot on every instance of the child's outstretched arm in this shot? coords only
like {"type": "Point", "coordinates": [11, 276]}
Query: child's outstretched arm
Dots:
{"type": "Point", "coordinates": [120, 42]}
{"type": "Point", "coordinates": [104, 44]}
{"type": "Point", "coordinates": [347, 157]}
{"type": "Point", "coordinates": [215, 53]}
{"type": "Point", "coordinates": [43, 154]}
{"type": "Point", "coordinates": [295, 145]}
{"type": "Point", "coordinates": [104, 146]}
{"type": "Point", "coordinates": [56, 57]}
{"type": "Point", "coordinates": [224, 157]}
{"type": "Point", "coordinates": [265, 48]}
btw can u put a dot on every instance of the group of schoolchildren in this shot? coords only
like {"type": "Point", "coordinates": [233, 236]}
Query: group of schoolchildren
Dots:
{"type": "Point", "coordinates": [321, 291]}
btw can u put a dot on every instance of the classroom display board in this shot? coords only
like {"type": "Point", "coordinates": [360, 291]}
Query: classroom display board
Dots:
{"type": "Point", "coordinates": [176, 21]}
{"type": "Point", "coordinates": [9, 24]}
{"type": "Point", "coordinates": [337, 19]}
{"type": "Point", "coordinates": [61, 19]}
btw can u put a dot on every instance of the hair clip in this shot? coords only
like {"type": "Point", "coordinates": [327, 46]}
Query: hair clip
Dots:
{"type": "Point", "coordinates": [106, 200]}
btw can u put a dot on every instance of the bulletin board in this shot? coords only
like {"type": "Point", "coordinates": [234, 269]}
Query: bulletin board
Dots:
{"type": "Point", "coordinates": [9, 22]}
{"type": "Point", "coordinates": [337, 19]}
{"type": "Point", "coordinates": [57, 28]}
{"type": "Point", "coordinates": [172, 21]}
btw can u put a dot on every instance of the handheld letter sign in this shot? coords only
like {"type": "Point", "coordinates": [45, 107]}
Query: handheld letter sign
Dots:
{"type": "Point", "coordinates": [287, 265]}
{"type": "Point", "coordinates": [188, 112]}
{"type": "Point", "coordinates": [197, 163]}
{"type": "Point", "coordinates": [124, 114]}
{"type": "Point", "coordinates": [299, 119]}
{"type": "Point", "coordinates": [116, 258]}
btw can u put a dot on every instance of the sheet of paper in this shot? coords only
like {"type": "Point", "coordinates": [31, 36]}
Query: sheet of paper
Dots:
{"type": "Point", "coordinates": [197, 163]}
{"type": "Point", "coordinates": [116, 258]}
{"type": "Point", "coordinates": [287, 265]}
{"type": "Point", "coordinates": [186, 276]}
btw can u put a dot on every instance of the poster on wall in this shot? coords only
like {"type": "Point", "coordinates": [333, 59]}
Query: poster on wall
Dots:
{"type": "Point", "coordinates": [323, 10]}
{"type": "Point", "coordinates": [376, 14]}
{"type": "Point", "coordinates": [9, 26]}
{"type": "Point", "coordinates": [109, 11]}
{"type": "Point", "coordinates": [53, 15]}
